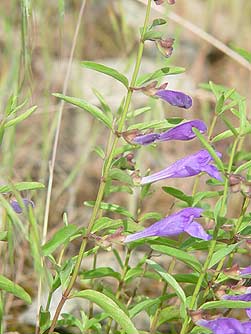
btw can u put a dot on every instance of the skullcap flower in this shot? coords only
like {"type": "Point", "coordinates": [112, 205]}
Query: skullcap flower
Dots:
{"type": "Point", "coordinates": [16, 206]}
{"type": "Point", "coordinates": [245, 271]}
{"type": "Point", "coordinates": [246, 297]}
{"type": "Point", "coordinates": [146, 139]}
{"type": "Point", "coordinates": [182, 131]}
{"type": "Point", "coordinates": [175, 98]}
{"type": "Point", "coordinates": [186, 167]}
{"type": "Point", "coordinates": [182, 221]}
{"type": "Point", "coordinates": [226, 326]}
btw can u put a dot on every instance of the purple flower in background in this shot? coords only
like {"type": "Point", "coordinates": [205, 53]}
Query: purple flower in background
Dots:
{"type": "Point", "coordinates": [182, 131]}
{"type": "Point", "coordinates": [16, 206]}
{"type": "Point", "coordinates": [245, 271]}
{"type": "Point", "coordinates": [182, 221]}
{"type": "Point", "coordinates": [226, 326]}
{"type": "Point", "coordinates": [246, 297]}
{"type": "Point", "coordinates": [175, 98]}
{"type": "Point", "coordinates": [146, 139]}
{"type": "Point", "coordinates": [188, 166]}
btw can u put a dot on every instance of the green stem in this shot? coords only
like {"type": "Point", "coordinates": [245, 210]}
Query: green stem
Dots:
{"type": "Point", "coordinates": [121, 284]}
{"type": "Point", "coordinates": [210, 131]}
{"type": "Point", "coordinates": [106, 169]}
{"type": "Point", "coordinates": [155, 320]}
{"type": "Point", "coordinates": [213, 242]}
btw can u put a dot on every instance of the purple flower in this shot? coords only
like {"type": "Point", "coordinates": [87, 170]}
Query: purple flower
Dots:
{"type": "Point", "coordinates": [177, 99]}
{"type": "Point", "coordinates": [146, 139]}
{"type": "Point", "coordinates": [246, 271]}
{"type": "Point", "coordinates": [246, 297]}
{"type": "Point", "coordinates": [182, 221]}
{"type": "Point", "coordinates": [182, 131]}
{"type": "Point", "coordinates": [16, 206]}
{"type": "Point", "coordinates": [185, 167]}
{"type": "Point", "coordinates": [226, 326]}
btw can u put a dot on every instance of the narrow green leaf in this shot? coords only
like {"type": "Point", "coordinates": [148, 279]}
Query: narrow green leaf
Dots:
{"type": "Point", "coordinates": [110, 307]}
{"type": "Point", "coordinates": [172, 282]}
{"type": "Point", "coordinates": [159, 74]}
{"type": "Point", "coordinates": [209, 148]}
{"type": "Point", "coordinates": [59, 238]}
{"type": "Point", "coordinates": [20, 118]}
{"type": "Point", "coordinates": [150, 215]}
{"type": "Point", "coordinates": [110, 207]}
{"type": "Point", "coordinates": [184, 257]}
{"type": "Point", "coordinates": [244, 166]}
{"type": "Point", "coordinates": [156, 124]}
{"type": "Point", "coordinates": [120, 175]}
{"type": "Point", "coordinates": [44, 319]}
{"type": "Point", "coordinates": [221, 253]}
{"type": "Point", "coordinates": [228, 133]}
{"type": "Point", "coordinates": [158, 22]}
{"type": "Point", "coordinates": [83, 104]}
{"type": "Point", "coordinates": [106, 70]}
{"type": "Point", "coordinates": [225, 304]}
{"type": "Point", "coordinates": [105, 222]}
{"type": "Point", "coordinates": [15, 289]}
{"type": "Point", "coordinates": [200, 330]}
{"type": "Point", "coordinates": [143, 305]}
{"type": "Point", "coordinates": [100, 272]}
{"type": "Point", "coordinates": [168, 314]}
{"type": "Point", "coordinates": [229, 125]}
{"type": "Point", "coordinates": [137, 112]}
{"type": "Point", "coordinates": [220, 104]}
{"type": "Point", "coordinates": [179, 194]}
{"type": "Point", "coordinates": [242, 52]}
{"type": "Point", "coordinates": [119, 189]}
{"type": "Point", "coordinates": [102, 101]}
{"type": "Point", "coordinates": [20, 186]}
{"type": "Point", "coordinates": [219, 89]}
{"type": "Point", "coordinates": [100, 152]}
{"type": "Point", "coordinates": [152, 35]}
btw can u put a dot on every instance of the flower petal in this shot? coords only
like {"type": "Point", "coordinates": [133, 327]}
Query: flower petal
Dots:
{"type": "Point", "coordinates": [16, 206]}
{"type": "Point", "coordinates": [246, 271]}
{"type": "Point", "coordinates": [175, 98]}
{"type": "Point", "coordinates": [197, 231]}
{"type": "Point", "coordinates": [223, 326]}
{"type": "Point", "coordinates": [186, 167]}
{"type": "Point", "coordinates": [212, 171]}
{"type": "Point", "coordinates": [146, 139]}
{"type": "Point", "coordinates": [183, 131]}
{"type": "Point", "coordinates": [172, 225]}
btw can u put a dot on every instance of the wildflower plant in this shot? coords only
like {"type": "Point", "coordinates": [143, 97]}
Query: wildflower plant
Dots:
{"type": "Point", "coordinates": [197, 233]}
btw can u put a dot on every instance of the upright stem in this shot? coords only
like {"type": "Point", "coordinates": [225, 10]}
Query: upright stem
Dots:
{"type": "Point", "coordinates": [106, 169]}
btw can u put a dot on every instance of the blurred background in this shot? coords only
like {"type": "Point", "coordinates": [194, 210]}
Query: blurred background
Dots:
{"type": "Point", "coordinates": [35, 42]}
